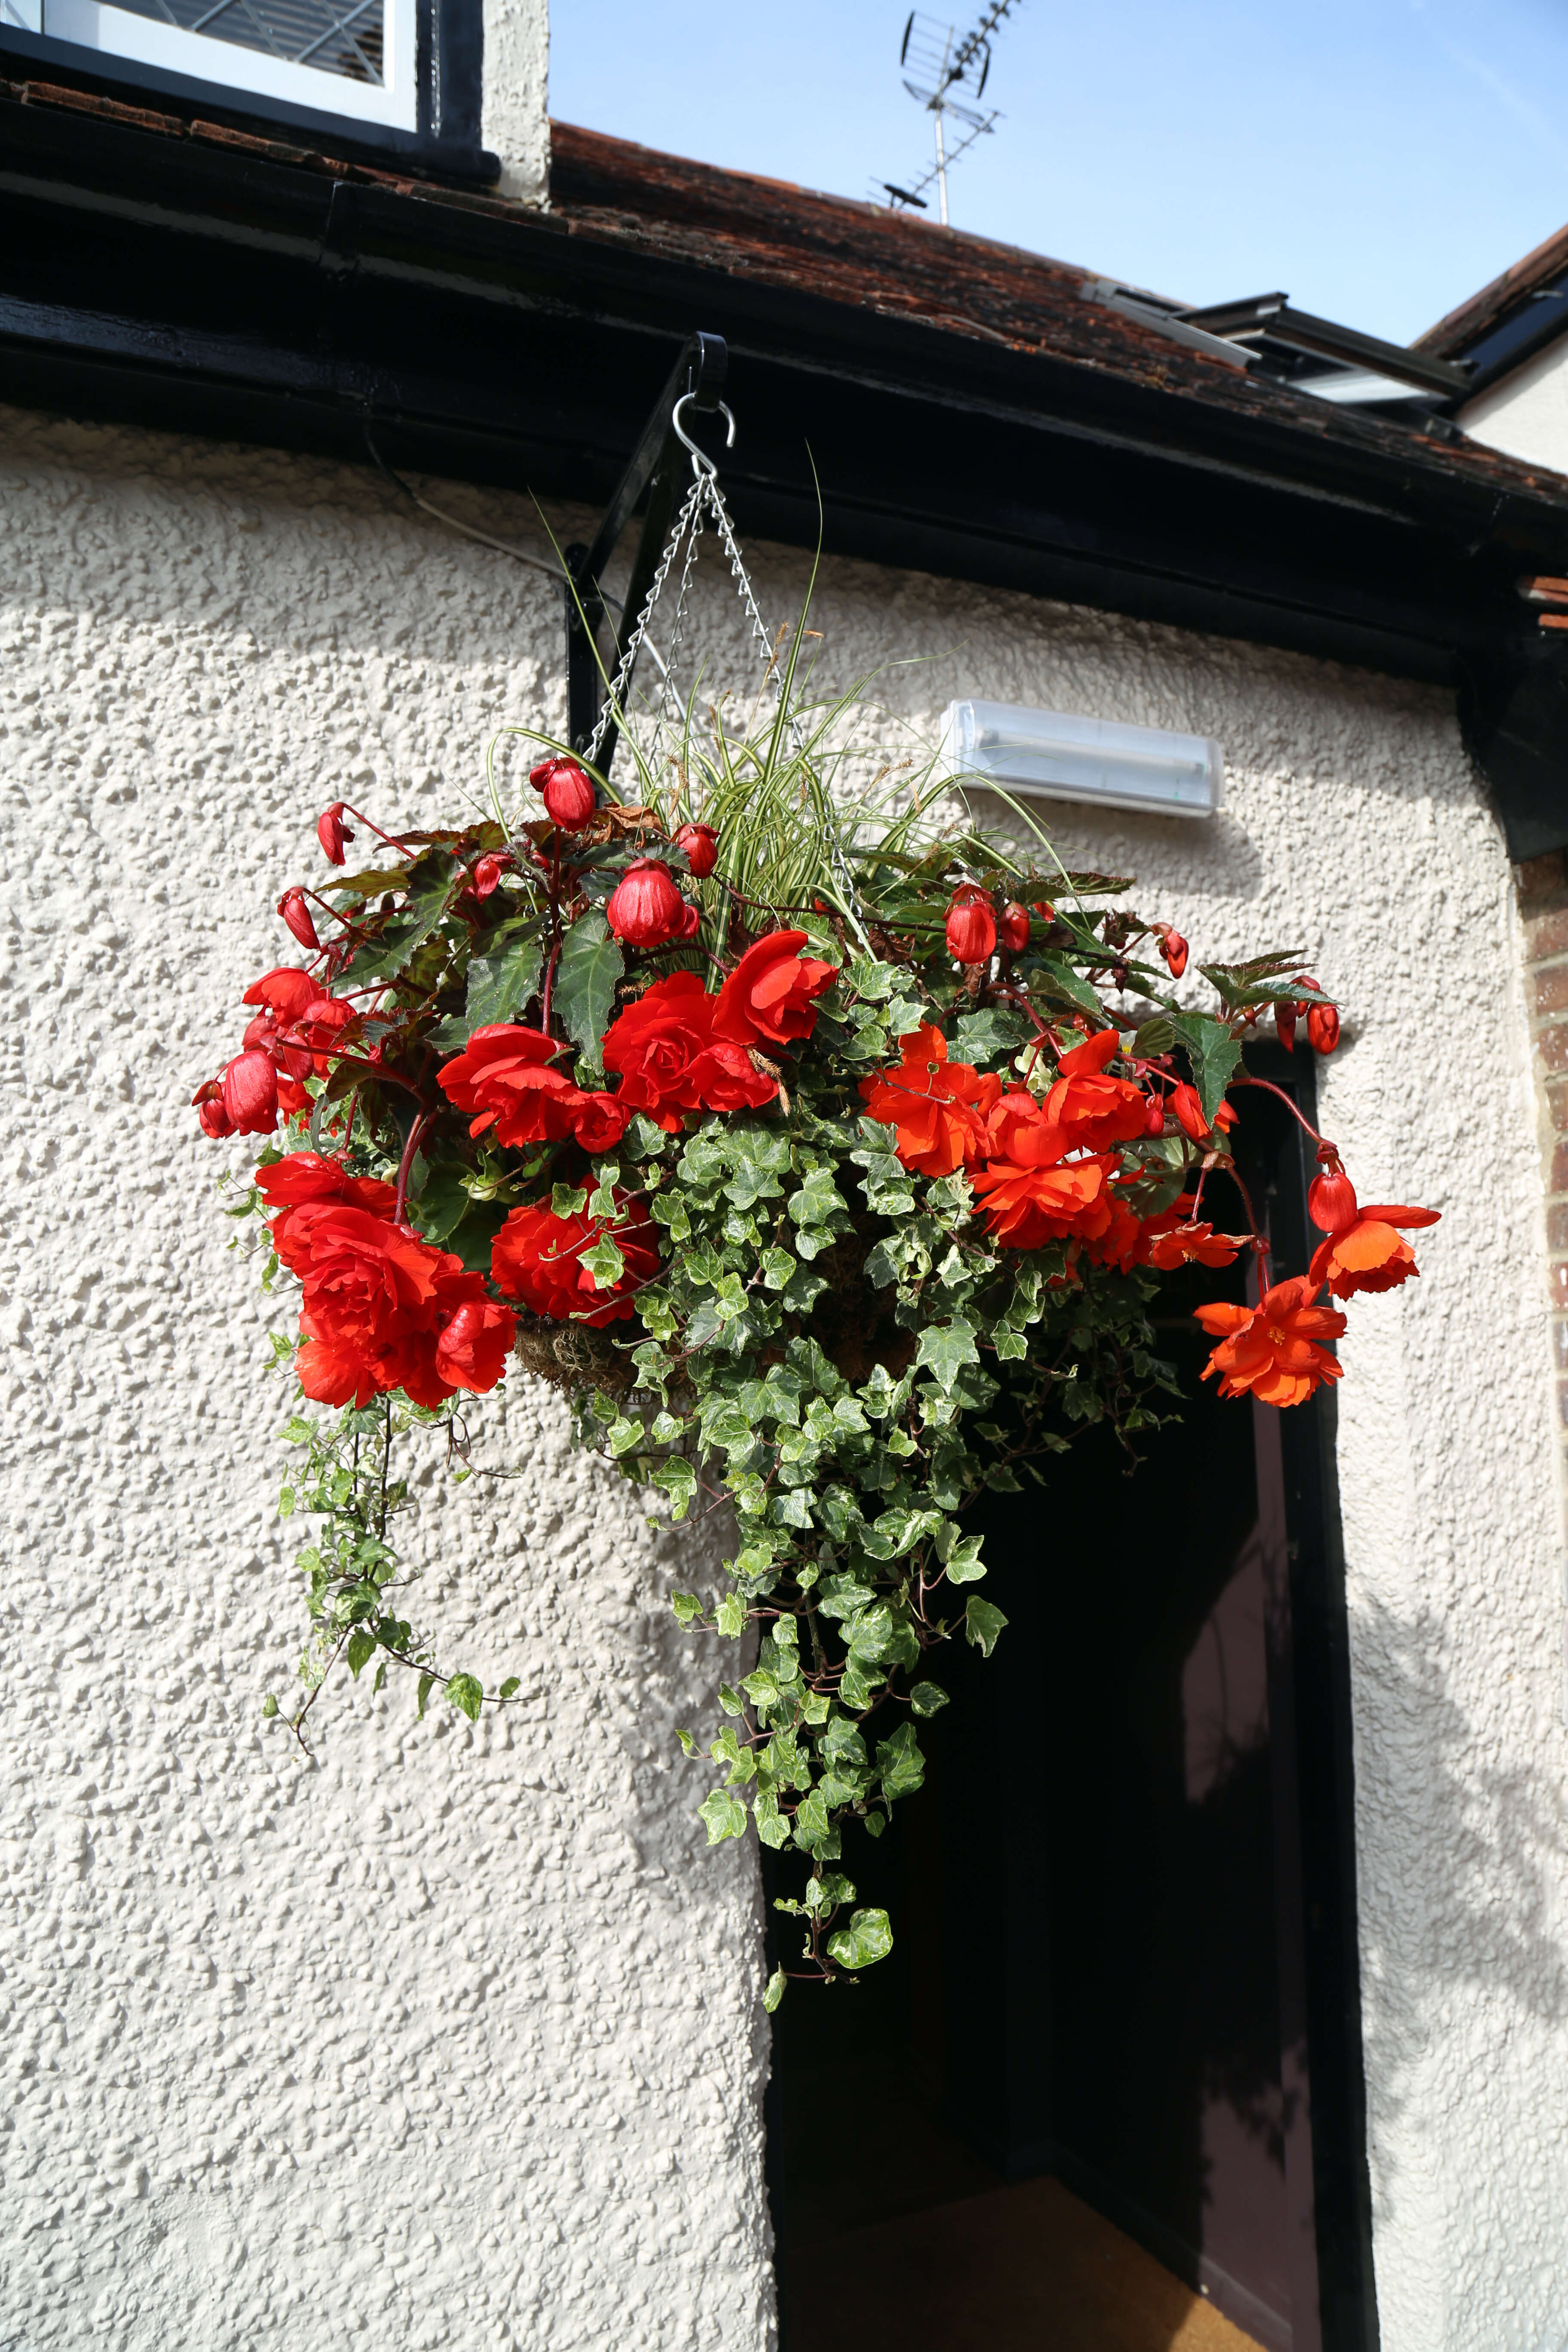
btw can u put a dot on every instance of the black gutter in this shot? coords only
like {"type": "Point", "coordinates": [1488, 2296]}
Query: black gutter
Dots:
{"type": "Point", "coordinates": [170, 283]}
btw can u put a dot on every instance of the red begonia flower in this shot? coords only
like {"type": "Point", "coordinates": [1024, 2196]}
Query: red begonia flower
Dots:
{"type": "Point", "coordinates": [1014, 928]}
{"type": "Point", "coordinates": [645, 908]}
{"type": "Point", "coordinates": [768, 998]}
{"type": "Point", "coordinates": [262, 1034]}
{"type": "Point", "coordinates": [537, 1257]}
{"type": "Point", "coordinates": [297, 915]}
{"type": "Point", "coordinates": [599, 1121]}
{"type": "Point", "coordinates": [1185, 1102]}
{"type": "Point", "coordinates": [503, 1076]}
{"type": "Point", "coordinates": [701, 844]}
{"type": "Point", "coordinates": [474, 1337]}
{"type": "Point", "coordinates": [669, 1061]}
{"type": "Point", "coordinates": [249, 1086]}
{"type": "Point", "coordinates": [208, 1105]}
{"type": "Point", "coordinates": [1273, 1348]}
{"type": "Point", "coordinates": [939, 1108]}
{"type": "Point", "coordinates": [306, 1178]}
{"type": "Point", "coordinates": [1322, 1028]}
{"type": "Point", "coordinates": [1095, 1111]}
{"type": "Point", "coordinates": [384, 1310]}
{"type": "Point", "coordinates": [488, 871]}
{"type": "Point", "coordinates": [1330, 1200]}
{"type": "Point", "coordinates": [567, 792]}
{"type": "Point", "coordinates": [284, 992]}
{"type": "Point", "coordinates": [970, 926]}
{"type": "Point", "coordinates": [1367, 1254]}
{"type": "Point", "coordinates": [332, 832]}
{"type": "Point", "coordinates": [1175, 950]}
{"type": "Point", "coordinates": [1284, 1025]}
{"type": "Point", "coordinates": [316, 1029]}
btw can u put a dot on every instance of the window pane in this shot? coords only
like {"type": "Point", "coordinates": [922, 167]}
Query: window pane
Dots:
{"type": "Point", "coordinates": [339, 37]}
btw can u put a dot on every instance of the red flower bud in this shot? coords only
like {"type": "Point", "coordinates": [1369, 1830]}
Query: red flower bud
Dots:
{"type": "Point", "coordinates": [1154, 1116]}
{"type": "Point", "coordinates": [1332, 1201]}
{"type": "Point", "coordinates": [970, 926]}
{"type": "Point", "coordinates": [567, 792]}
{"type": "Point", "coordinates": [297, 915]}
{"type": "Point", "coordinates": [1285, 1022]}
{"type": "Point", "coordinates": [646, 909]}
{"type": "Point", "coordinates": [1175, 950]}
{"type": "Point", "coordinates": [1189, 1111]}
{"type": "Point", "coordinates": [1015, 927]}
{"type": "Point", "coordinates": [488, 871]}
{"type": "Point", "coordinates": [249, 1087]}
{"type": "Point", "coordinates": [1322, 1028]}
{"type": "Point", "coordinates": [332, 832]}
{"type": "Point", "coordinates": [701, 844]}
{"type": "Point", "coordinates": [207, 1104]}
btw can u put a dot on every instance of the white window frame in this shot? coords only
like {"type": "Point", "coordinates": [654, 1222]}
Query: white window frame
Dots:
{"type": "Point", "coordinates": [120, 33]}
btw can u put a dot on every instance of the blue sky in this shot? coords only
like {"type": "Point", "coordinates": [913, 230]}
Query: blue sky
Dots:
{"type": "Point", "coordinates": [1376, 159]}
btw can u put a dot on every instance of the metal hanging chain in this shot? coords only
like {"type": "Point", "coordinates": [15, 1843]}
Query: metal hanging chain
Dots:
{"type": "Point", "coordinates": [612, 702]}
{"type": "Point", "coordinates": [683, 600]}
{"type": "Point", "coordinates": [705, 493]}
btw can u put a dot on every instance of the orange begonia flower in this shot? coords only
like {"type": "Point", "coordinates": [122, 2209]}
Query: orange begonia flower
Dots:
{"type": "Point", "coordinates": [1172, 1239]}
{"type": "Point", "coordinates": [1026, 1206]}
{"type": "Point", "coordinates": [1095, 1111]}
{"type": "Point", "coordinates": [1022, 1131]}
{"type": "Point", "coordinates": [938, 1107]}
{"type": "Point", "coordinates": [1273, 1348]}
{"type": "Point", "coordinates": [1368, 1255]}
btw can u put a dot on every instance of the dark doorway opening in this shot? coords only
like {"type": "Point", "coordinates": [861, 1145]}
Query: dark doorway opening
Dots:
{"type": "Point", "coordinates": [1107, 2090]}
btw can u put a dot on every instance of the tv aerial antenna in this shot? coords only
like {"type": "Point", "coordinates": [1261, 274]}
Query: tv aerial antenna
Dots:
{"type": "Point", "coordinates": [949, 77]}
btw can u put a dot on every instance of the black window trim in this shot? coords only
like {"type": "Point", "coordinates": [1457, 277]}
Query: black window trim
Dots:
{"type": "Point", "coordinates": [448, 67]}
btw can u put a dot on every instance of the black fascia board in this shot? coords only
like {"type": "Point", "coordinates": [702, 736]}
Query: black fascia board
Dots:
{"type": "Point", "coordinates": [449, 147]}
{"type": "Point", "coordinates": [180, 284]}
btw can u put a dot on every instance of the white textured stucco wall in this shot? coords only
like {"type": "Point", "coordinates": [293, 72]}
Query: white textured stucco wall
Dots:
{"type": "Point", "coordinates": [1526, 416]}
{"type": "Point", "coordinates": [515, 119]}
{"type": "Point", "coordinates": [452, 2038]}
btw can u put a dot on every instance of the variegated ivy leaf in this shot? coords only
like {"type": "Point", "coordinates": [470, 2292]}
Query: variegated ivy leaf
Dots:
{"type": "Point", "coordinates": [604, 1262]}
{"type": "Point", "coordinates": [945, 1348]}
{"type": "Point", "coordinates": [724, 1814]}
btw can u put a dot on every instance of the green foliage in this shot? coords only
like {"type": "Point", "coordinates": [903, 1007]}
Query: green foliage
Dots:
{"type": "Point", "coordinates": [591, 965]}
{"type": "Point", "coordinates": [834, 1347]}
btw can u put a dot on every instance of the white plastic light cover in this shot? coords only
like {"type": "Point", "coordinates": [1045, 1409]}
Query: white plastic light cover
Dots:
{"type": "Point", "coordinates": [1055, 755]}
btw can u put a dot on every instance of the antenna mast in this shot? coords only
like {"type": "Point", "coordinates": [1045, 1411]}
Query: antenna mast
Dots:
{"type": "Point", "coordinates": [947, 65]}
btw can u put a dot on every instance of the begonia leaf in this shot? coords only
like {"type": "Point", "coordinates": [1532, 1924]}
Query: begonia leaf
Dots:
{"type": "Point", "coordinates": [590, 969]}
{"type": "Point", "coordinates": [1213, 1052]}
{"type": "Point", "coordinates": [432, 883]}
{"type": "Point", "coordinates": [499, 984]}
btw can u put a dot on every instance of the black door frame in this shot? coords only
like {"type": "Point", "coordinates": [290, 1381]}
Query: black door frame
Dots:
{"type": "Point", "coordinates": [1328, 2179]}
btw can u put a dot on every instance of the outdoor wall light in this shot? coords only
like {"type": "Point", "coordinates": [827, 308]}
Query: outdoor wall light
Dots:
{"type": "Point", "coordinates": [1054, 755]}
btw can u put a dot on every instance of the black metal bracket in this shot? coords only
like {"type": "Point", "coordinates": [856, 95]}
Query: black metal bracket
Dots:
{"type": "Point", "coordinates": [655, 467]}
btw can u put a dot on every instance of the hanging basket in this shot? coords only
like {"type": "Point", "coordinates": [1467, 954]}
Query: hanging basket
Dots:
{"type": "Point", "coordinates": [830, 1156]}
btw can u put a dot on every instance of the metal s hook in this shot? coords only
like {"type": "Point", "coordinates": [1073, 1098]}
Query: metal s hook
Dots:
{"type": "Point", "coordinates": [701, 463]}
